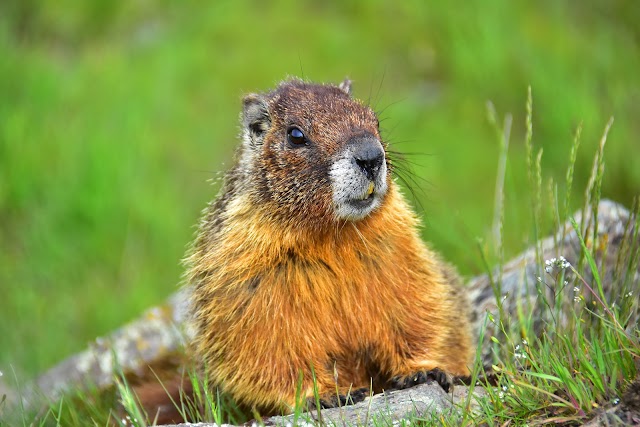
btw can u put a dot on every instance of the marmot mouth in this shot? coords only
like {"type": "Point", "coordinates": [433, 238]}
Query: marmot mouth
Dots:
{"type": "Point", "coordinates": [370, 193]}
{"type": "Point", "coordinates": [364, 202]}
{"type": "Point", "coordinates": [370, 190]}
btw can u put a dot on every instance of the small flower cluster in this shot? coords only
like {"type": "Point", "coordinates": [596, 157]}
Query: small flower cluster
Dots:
{"type": "Point", "coordinates": [559, 262]}
{"type": "Point", "coordinates": [127, 421]}
{"type": "Point", "coordinates": [520, 352]}
{"type": "Point", "coordinates": [576, 294]}
{"type": "Point", "coordinates": [504, 391]}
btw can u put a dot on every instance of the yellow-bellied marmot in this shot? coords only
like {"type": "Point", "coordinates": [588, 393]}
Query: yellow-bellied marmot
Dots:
{"type": "Point", "coordinates": [310, 260]}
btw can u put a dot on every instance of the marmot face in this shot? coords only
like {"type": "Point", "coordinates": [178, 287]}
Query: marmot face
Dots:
{"type": "Point", "coordinates": [317, 153]}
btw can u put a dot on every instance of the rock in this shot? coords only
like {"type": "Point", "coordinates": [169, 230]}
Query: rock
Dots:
{"type": "Point", "coordinates": [388, 408]}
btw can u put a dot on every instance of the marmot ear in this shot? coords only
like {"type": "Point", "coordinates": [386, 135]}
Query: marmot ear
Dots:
{"type": "Point", "coordinates": [345, 86]}
{"type": "Point", "coordinates": [255, 116]}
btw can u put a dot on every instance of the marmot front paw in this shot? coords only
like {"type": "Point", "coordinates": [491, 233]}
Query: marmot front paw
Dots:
{"type": "Point", "coordinates": [443, 378]}
{"type": "Point", "coordinates": [338, 400]}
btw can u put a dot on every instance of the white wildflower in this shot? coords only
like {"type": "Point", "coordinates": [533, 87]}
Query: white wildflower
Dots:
{"type": "Point", "coordinates": [552, 263]}
{"type": "Point", "coordinates": [518, 353]}
{"type": "Point", "coordinates": [563, 263]}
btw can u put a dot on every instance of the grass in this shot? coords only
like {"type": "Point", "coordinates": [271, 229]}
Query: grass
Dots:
{"type": "Point", "coordinates": [113, 116]}
{"type": "Point", "coordinates": [587, 350]}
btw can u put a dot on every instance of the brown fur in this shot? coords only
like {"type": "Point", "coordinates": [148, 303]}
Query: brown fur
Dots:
{"type": "Point", "coordinates": [281, 286]}
{"type": "Point", "coordinates": [164, 402]}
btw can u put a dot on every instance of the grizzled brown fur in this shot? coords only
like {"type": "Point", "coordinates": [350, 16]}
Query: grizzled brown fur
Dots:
{"type": "Point", "coordinates": [281, 285]}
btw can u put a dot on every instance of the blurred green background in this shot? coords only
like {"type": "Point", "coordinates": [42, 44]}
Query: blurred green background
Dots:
{"type": "Point", "coordinates": [115, 114]}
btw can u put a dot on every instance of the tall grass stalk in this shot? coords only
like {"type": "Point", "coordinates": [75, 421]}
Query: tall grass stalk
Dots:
{"type": "Point", "coordinates": [569, 178]}
{"type": "Point", "coordinates": [599, 168]}
{"type": "Point", "coordinates": [531, 171]}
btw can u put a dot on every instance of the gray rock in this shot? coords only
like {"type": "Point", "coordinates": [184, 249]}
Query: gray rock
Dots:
{"type": "Point", "coordinates": [391, 408]}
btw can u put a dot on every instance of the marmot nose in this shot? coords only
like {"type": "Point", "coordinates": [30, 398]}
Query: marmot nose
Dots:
{"type": "Point", "coordinates": [368, 154]}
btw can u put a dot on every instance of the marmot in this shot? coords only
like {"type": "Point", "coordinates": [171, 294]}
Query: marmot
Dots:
{"type": "Point", "coordinates": [308, 266]}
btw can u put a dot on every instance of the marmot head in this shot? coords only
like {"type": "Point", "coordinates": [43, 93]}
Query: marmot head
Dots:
{"type": "Point", "coordinates": [313, 154]}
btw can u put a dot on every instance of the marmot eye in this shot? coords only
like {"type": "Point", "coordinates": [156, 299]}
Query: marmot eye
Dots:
{"type": "Point", "coordinates": [295, 136]}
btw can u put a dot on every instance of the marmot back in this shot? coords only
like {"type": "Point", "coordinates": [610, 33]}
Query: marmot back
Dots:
{"type": "Point", "coordinates": [310, 259]}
